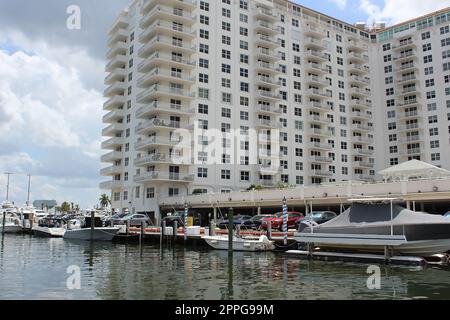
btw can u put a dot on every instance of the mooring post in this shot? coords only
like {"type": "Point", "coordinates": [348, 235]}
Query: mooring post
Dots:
{"type": "Point", "coordinates": [269, 230]}
{"type": "Point", "coordinates": [141, 236]}
{"type": "Point", "coordinates": [230, 229]}
{"type": "Point", "coordinates": [92, 225]}
{"type": "Point", "coordinates": [175, 231]}
{"type": "Point", "coordinates": [163, 230]}
{"type": "Point", "coordinates": [212, 227]}
{"type": "Point", "coordinates": [186, 213]}
{"type": "Point", "coordinates": [128, 227]}
{"type": "Point", "coordinates": [285, 221]}
{"type": "Point", "coordinates": [4, 222]}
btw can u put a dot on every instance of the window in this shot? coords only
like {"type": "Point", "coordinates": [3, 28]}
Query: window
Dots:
{"type": "Point", "coordinates": [226, 174]}
{"type": "Point", "coordinates": [245, 176]}
{"type": "Point", "coordinates": [150, 193]}
{"type": "Point", "coordinates": [202, 173]}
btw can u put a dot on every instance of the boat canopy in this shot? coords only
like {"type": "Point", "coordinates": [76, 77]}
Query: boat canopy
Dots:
{"type": "Point", "coordinates": [413, 169]}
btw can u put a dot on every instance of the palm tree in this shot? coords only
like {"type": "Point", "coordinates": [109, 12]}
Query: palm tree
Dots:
{"type": "Point", "coordinates": [65, 207]}
{"type": "Point", "coordinates": [104, 200]}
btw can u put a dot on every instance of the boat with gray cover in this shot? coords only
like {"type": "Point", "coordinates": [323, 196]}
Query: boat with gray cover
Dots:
{"type": "Point", "coordinates": [374, 226]}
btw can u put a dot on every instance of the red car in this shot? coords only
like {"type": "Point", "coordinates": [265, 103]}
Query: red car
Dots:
{"type": "Point", "coordinates": [277, 222]}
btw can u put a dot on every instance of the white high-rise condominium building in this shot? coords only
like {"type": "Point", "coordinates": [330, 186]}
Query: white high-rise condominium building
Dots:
{"type": "Point", "coordinates": [219, 95]}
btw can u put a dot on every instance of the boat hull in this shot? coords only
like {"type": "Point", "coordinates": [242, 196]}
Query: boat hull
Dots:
{"type": "Point", "coordinates": [10, 229]}
{"type": "Point", "coordinates": [221, 243]}
{"type": "Point", "coordinates": [49, 232]}
{"type": "Point", "coordinates": [99, 234]}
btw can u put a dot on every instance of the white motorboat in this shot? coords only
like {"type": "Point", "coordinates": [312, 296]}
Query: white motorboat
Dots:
{"type": "Point", "coordinates": [98, 234]}
{"type": "Point", "coordinates": [49, 232]}
{"type": "Point", "coordinates": [12, 223]}
{"type": "Point", "coordinates": [378, 225]}
{"type": "Point", "coordinates": [240, 244]}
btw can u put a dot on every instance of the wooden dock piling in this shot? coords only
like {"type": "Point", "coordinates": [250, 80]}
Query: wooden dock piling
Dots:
{"type": "Point", "coordinates": [230, 229]}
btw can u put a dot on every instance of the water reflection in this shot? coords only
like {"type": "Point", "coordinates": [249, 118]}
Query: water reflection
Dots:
{"type": "Point", "coordinates": [33, 268]}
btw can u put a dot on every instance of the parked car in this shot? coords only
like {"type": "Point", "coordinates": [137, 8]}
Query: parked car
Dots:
{"type": "Point", "coordinates": [277, 221]}
{"type": "Point", "coordinates": [237, 220]}
{"type": "Point", "coordinates": [255, 222]}
{"type": "Point", "coordinates": [318, 217]}
{"type": "Point", "coordinates": [178, 216]}
{"type": "Point", "coordinates": [134, 219]}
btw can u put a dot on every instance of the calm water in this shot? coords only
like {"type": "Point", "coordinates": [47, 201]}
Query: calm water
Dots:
{"type": "Point", "coordinates": [35, 268]}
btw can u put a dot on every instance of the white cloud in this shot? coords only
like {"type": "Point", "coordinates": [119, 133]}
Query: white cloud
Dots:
{"type": "Point", "coordinates": [396, 11]}
{"type": "Point", "coordinates": [342, 4]}
{"type": "Point", "coordinates": [50, 122]}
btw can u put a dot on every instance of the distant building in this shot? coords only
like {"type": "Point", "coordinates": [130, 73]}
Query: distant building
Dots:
{"type": "Point", "coordinates": [40, 204]}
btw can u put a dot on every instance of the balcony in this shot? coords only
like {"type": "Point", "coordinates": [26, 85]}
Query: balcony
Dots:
{"type": "Point", "coordinates": [321, 173]}
{"type": "Point", "coordinates": [266, 14]}
{"type": "Point", "coordinates": [160, 42]}
{"type": "Point", "coordinates": [363, 152]}
{"type": "Point", "coordinates": [409, 127]}
{"type": "Point", "coordinates": [266, 41]}
{"type": "Point", "coordinates": [149, 143]}
{"type": "Point", "coordinates": [267, 55]}
{"type": "Point", "coordinates": [267, 124]}
{"type": "Point", "coordinates": [268, 81]}
{"type": "Point", "coordinates": [120, 35]}
{"type": "Point", "coordinates": [407, 67]}
{"type": "Point", "coordinates": [111, 157]}
{"type": "Point", "coordinates": [168, 29]}
{"type": "Point", "coordinates": [111, 185]}
{"type": "Point", "coordinates": [161, 124]}
{"type": "Point", "coordinates": [405, 56]}
{"type": "Point", "coordinates": [267, 67]}
{"type": "Point", "coordinates": [365, 140]}
{"type": "Point", "coordinates": [317, 44]}
{"type": "Point", "coordinates": [359, 103]}
{"type": "Point", "coordinates": [314, 31]}
{"type": "Point", "coordinates": [408, 103]}
{"type": "Point", "coordinates": [354, 91]}
{"type": "Point", "coordinates": [320, 146]}
{"type": "Point", "coordinates": [268, 95]}
{"type": "Point", "coordinates": [318, 81]}
{"type": "Point", "coordinates": [411, 139]}
{"type": "Point", "coordinates": [161, 158]}
{"type": "Point", "coordinates": [160, 74]}
{"type": "Point", "coordinates": [404, 45]}
{"type": "Point", "coordinates": [163, 177]}
{"type": "Point", "coordinates": [320, 159]}
{"type": "Point", "coordinates": [113, 129]}
{"type": "Point", "coordinates": [120, 23]}
{"type": "Point", "coordinates": [316, 132]}
{"type": "Point", "coordinates": [364, 165]}
{"type": "Point", "coordinates": [362, 127]}
{"type": "Point", "coordinates": [408, 115]}
{"type": "Point", "coordinates": [358, 69]}
{"type": "Point", "coordinates": [364, 177]}
{"type": "Point", "coordinates": [316, 55]}
{"type": "Point", "coordinates": [266, 27]}
{"type": "Point", "coordinates": [169, 14]}
{"type": "Point", "coordinates": [267, 169]}
{"type": "Point", "coordinates": [118, 48]}
{"type": "Point", "coordinates": [361, 115]}
{"type": "Point", "coordinates": [157, 91]}
{"type": "Point", "coordinates": [317, 94]}
{"type": "Point", "coordinates": [113, 116]}
{"type": "Point", "coordinates": [408, 79]}
{"type": "Point", "coordinates": [316, 68]}
{"type": "Point", "coordinates": [408, 91]}
{"type": "Point", "coordinates": [318, 106]}
{"type": "Point", "coordinates": [357, 57]}
{"type": "Point", "coordinates": [356, 45]}
{"type": "Point", "coordinates": [268, 109]}
{"type": "Point", "coordinates": [358, 80]}
{"type": "Point", "coordinates": [157, 107]}
{"type": "Point", "coordinates": [148, 5]}
{"type": "Point", "coordinates": [113, 143]}
{"type": "Point", "coordinates": [160, 59]}
{"type": "Point", "coordinates": [116, 75]}
{"type": "Point", "coordinates": [118, 88]}
{"type": "Point", "coordinates": [318, 119]}
{"type": "Point", "coordinates": [111, 171]}
{"type": "Point", "coordinates": [117, 62]}
{"type": "Point", "coordinates": [114, 102]}
{"type": "Point", "coordinates": [411, 152]}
